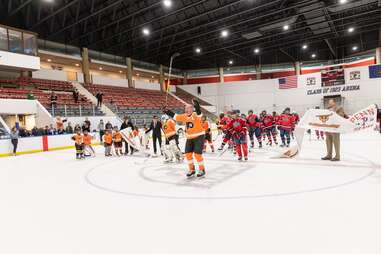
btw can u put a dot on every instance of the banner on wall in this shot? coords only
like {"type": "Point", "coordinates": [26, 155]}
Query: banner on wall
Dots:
{"type": "Point", "coordinates": [375, 71]}
{"type": "Point", "coordinates": [333, 90]}
{"type": "Point", "coordinates": [332, 76]}
{"type": "Point", "coordinates": [355, 75]}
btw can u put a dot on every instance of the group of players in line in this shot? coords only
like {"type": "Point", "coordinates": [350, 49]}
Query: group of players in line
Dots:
{"type": "Point", "coordinates": [234, 127]}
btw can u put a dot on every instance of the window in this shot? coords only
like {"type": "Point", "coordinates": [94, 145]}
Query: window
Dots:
{"type": "Point", "coordinates": [3, 39]}
{"type": "Point", "coordinates": [15, 41]}
{"type": "Point", "coordinates": [30, 47]}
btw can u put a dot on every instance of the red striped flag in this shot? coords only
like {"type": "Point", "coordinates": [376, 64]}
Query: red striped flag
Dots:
{"type": "Point", "coordinates": [288, 82]}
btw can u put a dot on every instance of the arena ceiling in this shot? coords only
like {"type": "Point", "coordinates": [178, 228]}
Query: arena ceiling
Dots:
{"type": "Point", "coordinates": [207, 33]}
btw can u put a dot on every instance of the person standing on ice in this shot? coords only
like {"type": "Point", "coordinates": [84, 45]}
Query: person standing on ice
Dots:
{"type": "Point", "coordinates": [238, 129]}
{"type": "Point", "coordinates": [286, 125]}
{"type": "Point", "coordinates": [195, 135]}
{"type": "Point", "coordinates": [254, 128]}
{"type": "Point", "coordinates": [333, 139]}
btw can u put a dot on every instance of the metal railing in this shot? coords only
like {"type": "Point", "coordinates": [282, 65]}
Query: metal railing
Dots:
{"type": "Point", "coordinates": [78, 110]}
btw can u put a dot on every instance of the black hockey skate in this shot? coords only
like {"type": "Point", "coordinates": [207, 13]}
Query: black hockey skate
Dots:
{"type": "Point", "coordinates": [191, 173]}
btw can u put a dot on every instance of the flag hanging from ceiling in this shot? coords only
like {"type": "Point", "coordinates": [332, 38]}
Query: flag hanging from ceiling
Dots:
{"type": "Point", "coordinates": [288, 82]}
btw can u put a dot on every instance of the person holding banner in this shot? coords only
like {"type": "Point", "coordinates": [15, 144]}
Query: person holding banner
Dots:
{"type": "Point", "coordinates": [333, 139]}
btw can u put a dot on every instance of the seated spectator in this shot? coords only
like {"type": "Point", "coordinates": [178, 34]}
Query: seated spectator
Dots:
{"type": "Point", "coordinates": [35, 131]}
{"type": "Point", "coordinates": [52, 130]}
{"type": "Point", "coordinates": [69, 128]}
{"type": "Point", "coordinates": [77, 128]}
{"type": "Point", "coordinates": [108, 126]}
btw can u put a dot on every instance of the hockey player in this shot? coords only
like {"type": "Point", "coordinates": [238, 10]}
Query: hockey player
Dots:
{"type": "Point", "coordinates": [253, 123]}
{"type": "Point", "coordinates": [171, 149]}
{"type": "Point", "coordinates": [78, 139]}
{"type": "Point", "coordinates": [195, 135]}
{"type": "Point", "coordinates": [208, 134]}
{"type": "Point", "coordinates": [118, 141]}
{"type": "Point", "coordinates": [269, 127]}
{"type": "Point", "coordinates": [107, 142]}
{"type": "Point", "coordinates": [238, 129]}
{"type": "Point", "coordinates": [223, 125]}
{"type": "Point", "coordinates": [285, 125]}
{"type": "Point", "coordinates": [87, 139]}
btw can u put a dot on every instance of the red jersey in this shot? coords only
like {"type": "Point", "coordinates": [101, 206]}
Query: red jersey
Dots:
{"type": "Point", "coordinates": [268, 121]}
{"type": "Point", "coordinates": [238, 125]}
{"type": "Point", "coordinates": [252, 121]}
{"type": "Point", "coordinates": [286, 121]}
{"type": "Point", "coordinates": [224, 122]}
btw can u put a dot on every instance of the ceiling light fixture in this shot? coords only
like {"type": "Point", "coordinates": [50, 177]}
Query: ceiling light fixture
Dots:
{"type": "Point", "coordinates": [224, 33]}
{"type": "Point", "coordinates": [146, 31]}
{"type": "Point", "coordinates": [167, 3]}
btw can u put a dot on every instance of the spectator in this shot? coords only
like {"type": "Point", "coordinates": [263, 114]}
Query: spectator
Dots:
{"type": "Point", "coordinates": [52, 130]}
{"type": "Point", "coordinates": [108, 126]}
{"type": "Point", "coordinates": [127, 124]}
{"type": "Point", "coordinates": [45, 131]}
{"type": "Point", "coordinates": [99, 97]}
{"type": "Point", "coordinates": [53, 100]}
{"type": "Point", "coordinates": [101, 129]}
{"type": "Point", "coordinates": [155, 127]}
{"type": "Point", "coordinates": [35, 131]}
{"type": "Point", "coordinates": [69, 128]}
{"type": "Point", "coordinates": [14, 139]}
{"type": "Point", "coordinates": [77, 128]}
{"type": "Point", "coordinates": [75, 95]}
{"type": "Point", "coordinates": [86, 125]}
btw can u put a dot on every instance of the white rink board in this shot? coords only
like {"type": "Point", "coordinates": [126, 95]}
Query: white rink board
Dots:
{"type": "Point", "coordinates": [52, 203]}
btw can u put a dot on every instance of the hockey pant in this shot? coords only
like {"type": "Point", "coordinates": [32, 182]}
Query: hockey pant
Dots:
{"type": "Point", "coordinates": [79, 150]}
{"type": "Point", "coordinates": [240, 142]}
{"type": "Point", "coordinates": [271, 134]}
{"type": "Point", "coordinates": [258, 134]}
{"type": "Point", "coordinates": [285, 136]}
{"type": "Point", "coordinates": [193, 148]}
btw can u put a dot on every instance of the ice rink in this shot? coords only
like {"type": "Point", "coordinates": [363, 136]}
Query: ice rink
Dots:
{"type": "Point", "coordinates": [51, 203]}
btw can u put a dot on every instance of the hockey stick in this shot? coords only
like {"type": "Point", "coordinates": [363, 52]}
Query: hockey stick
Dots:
{"type": "Point", "coordinates": [169, 76]}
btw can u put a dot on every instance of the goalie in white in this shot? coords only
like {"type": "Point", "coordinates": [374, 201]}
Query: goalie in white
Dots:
{"type": "Point", "coordinates": [171, 148]}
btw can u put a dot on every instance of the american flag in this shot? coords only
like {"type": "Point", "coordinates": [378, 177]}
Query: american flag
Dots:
{"type": "Point", "coordinates": [288, 82]}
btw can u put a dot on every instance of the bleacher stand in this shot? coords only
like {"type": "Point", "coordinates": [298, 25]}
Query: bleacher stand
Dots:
{"type": "Point", "coordinates": [41, 90]}
{"type": "Point", "coordinates": [139, 104]}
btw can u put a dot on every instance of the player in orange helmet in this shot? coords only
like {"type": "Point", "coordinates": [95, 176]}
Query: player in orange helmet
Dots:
{"type": "Point", "coordinates": [78, 139]}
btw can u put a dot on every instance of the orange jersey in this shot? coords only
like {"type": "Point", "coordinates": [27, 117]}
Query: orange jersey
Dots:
{"type": "Point", "coordinates": [78, 139]}
{"type": "Point", "coordinates": [206, 126]}
{"type": "Point", "coordinates": [87, 139]}
{"type": "Point", "coordinates": [193, 124]}
{"type": "Point", "coordinates": [118, 137]}
{"type": "Point", "coordinates": [135, 133]}
{"type": "Point", "coordinates": [60, 125]}
{"type": "Point", "coordinates": [169, 128]}
{"type": "Point", "coordinates": [107, 138]}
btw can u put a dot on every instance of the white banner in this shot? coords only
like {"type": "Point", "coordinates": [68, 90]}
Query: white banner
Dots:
{"type": "Point", "coordinates": [328, 121]}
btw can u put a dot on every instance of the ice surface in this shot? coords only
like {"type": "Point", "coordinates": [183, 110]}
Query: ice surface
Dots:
{"type": "Point", "coordinates": [51, 203]}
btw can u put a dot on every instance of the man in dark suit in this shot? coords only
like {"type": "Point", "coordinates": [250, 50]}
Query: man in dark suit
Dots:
{"type": "Point", "coordinates": [155, 127]}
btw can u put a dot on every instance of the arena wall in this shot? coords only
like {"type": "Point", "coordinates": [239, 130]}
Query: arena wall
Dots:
{"type": "Point", "coordinates": [266, 95]}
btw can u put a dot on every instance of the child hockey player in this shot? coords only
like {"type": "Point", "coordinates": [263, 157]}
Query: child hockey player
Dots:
{"type": "Point", "coordinates": [195, 135]}
{"type": "Point", "coordinates": [253, 124]}
{"type": "Point", "coordinates": [78, 139]}
{"type": "Point", "coordinates": [208, 134]}
{"type": "Point", "coordinates": [87, 138]}
{"type": "Point", "coordinates": [107, 142]}
{"type": "Point", "coordinates": [238, 129]}
{"type": "Point", "coordinates": [118, 141]}
{"type": "Point", "coordinates": [269, 127]}
{"type": "Point", "coordinates": [285, 126]}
